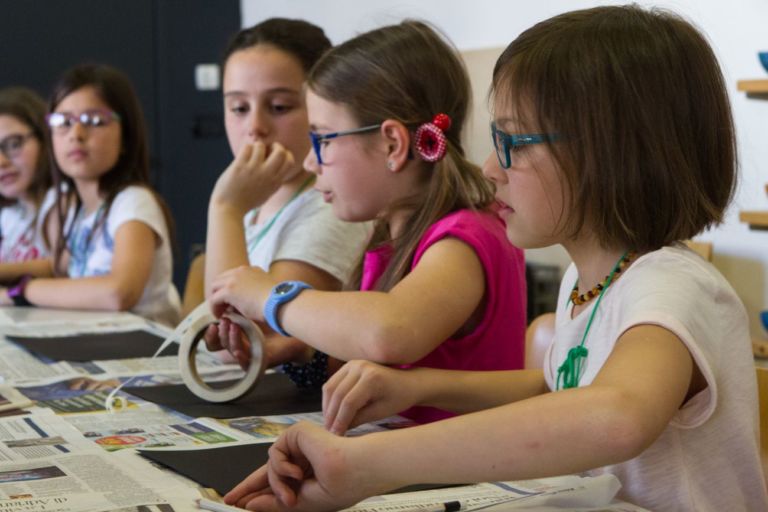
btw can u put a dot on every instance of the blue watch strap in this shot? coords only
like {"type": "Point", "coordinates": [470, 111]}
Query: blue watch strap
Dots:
{"type": "Point", "coordinates": [281, 293]}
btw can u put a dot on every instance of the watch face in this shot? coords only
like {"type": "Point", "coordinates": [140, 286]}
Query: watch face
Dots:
{"type": "Point", "coordinates": [283, 288]}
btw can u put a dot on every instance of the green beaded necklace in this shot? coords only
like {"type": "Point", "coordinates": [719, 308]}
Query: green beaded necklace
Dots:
{"type": "Point", "coordinates": [569, 373]}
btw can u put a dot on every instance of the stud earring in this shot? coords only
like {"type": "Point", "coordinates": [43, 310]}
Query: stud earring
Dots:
{"type": "Point", "coordinates": [390, 165]}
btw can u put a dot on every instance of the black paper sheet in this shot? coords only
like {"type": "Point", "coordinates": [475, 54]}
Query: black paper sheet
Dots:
{"type": "Point", "coordinates": [223, 468]}
{"type": "Point", "coordinates": [274, 394]}
{"type": "Point", "coordinates": [96, 347]}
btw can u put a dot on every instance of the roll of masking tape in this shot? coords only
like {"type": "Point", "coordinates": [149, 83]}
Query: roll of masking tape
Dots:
{"type": "Point", "coordinates": [189, 333]}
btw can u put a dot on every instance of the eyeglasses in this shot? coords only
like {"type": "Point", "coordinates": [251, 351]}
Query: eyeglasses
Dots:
{"type": "Point", "coordinates": [506, 143]}
{"type": "Point", "coordinates": [320, 140]}
{"type": "Point", "coordinates": [12, 145]}
{"type": "Point", "coordinates": [61, 122]}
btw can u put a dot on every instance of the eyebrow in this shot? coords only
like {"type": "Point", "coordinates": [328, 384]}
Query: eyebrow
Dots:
{"type": "Point", "coordinates": [316, 127]}
{"type": "Point", "coordinates": [276, 90]}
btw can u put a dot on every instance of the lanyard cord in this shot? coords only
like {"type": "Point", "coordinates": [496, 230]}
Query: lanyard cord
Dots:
{"type": "Point", "coordinates": [77, 226]}
{"type": "Point", "coordinates": [260, 235]}
{"type": "Point", "coordinates": [569, 373]}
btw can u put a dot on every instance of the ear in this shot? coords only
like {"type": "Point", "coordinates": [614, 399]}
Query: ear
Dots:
{"type": "Point", "coordinates": [397, 138]}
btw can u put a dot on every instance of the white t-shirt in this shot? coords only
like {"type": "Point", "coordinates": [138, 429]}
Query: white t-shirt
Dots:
{"type": "Point", "coordinates": [91, 253]}
{"type": "Point", "coordinates": [306, 230]}
{"type": "Point", "coordinates": [707, 459]}
{"type": "Point", "coordinates": [21, 230]}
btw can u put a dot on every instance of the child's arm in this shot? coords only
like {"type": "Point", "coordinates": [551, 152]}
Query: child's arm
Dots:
{"type": "Point", "coordinates": [246, 184]}
{"type": "Point", "coordinates": [10, 272]}
{"type": "Point", "coordinates": [362, 391]}
{"type": "Point", "coordinates": [428, 306]}
{"type": "Point", "coordinates": [640, 388]}
{"type": "Point", "coordinates": [119, 290]}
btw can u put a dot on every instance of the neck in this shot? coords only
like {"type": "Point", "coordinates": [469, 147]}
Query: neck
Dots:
{"type": "Point", "coordinates": [89, 195]}
{"type": "Point", "coordinates": [283, 195]}
{"type": "Point", "coordinates": [592, 261]}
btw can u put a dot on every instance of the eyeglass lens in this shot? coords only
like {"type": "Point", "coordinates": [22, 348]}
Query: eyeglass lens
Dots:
{"type": "Point", "coordinates": [63, 121]}
{"type": "Point", "coordinates": [12, 145]}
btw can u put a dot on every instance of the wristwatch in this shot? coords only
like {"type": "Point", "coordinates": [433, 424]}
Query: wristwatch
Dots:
{"type": "Point", "coordinates": [16, 292]}
{"type": "Point", "coordinates": [281, 293]}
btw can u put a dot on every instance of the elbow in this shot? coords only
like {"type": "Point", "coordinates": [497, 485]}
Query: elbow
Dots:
{"type": "Point", "coordinates": [122, 299]}
{"type": "Point", "coordinates": [391, 344]}
{"type": "Point", "coordinates": [626, 431]}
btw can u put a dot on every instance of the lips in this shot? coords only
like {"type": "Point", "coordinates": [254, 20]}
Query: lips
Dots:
{"type": "Point", "coordinates": [8, 178]}
{"type": "Point", "coordinates": [77, 154]}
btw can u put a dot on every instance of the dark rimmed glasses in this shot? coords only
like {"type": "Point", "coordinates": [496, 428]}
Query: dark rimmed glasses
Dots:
{"type": "Point", "coordinates": [61, 122]}
{"type": "Point", "coordinates": [319, 140]}
{"type": "Point", "coordinates": [12, 145]}
{"type": "Point", "coordinates": [506, 143]}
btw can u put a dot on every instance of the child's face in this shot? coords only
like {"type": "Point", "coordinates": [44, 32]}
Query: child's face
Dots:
{"type": "Point", "coordinates": [18, 157]}
{"type": "Point", "coordinates": [86, 152]}
{"type": "Point", "coordinates": [531, 189]}
{"type": "Point", "coordinates": [264, 100]}
{"type": "Point", "coordinates": [353, 176]}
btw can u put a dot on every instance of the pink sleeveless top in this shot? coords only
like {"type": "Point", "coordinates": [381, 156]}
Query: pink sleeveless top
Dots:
{"type": "Point", "coordinates": [498, 342]}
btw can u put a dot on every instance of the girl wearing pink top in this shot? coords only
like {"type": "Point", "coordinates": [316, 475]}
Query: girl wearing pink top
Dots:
{"type": "Point", "coordinates": [440, 285]}
{"type": "Point", "coordinates": [487, 346]}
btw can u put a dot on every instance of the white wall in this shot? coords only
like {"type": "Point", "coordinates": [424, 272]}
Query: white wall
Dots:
{"type": "Point", "coordinates": [736, 29]}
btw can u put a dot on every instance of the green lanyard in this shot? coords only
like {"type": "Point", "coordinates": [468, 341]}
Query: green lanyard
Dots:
{"type": "Point", "coordinates": [260, 235]}
{"type": "Point", "coordinates": [569, 373]}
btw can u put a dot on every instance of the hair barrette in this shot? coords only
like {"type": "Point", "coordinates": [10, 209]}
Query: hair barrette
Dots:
{"type": "Point", "coordinates": [431, 143]}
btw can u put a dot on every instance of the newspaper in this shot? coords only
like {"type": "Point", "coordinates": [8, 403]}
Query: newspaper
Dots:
{"type": "Point", "coordinates": [559, 493]}
{"type": "Point", "coordinates": [18, 367]}
{"type": "Point", "coordinates": [47, 465]}
{"type": "Point", "coordinates": [62, 322]}
{"type": "Point", "coordinates": [10, 399]}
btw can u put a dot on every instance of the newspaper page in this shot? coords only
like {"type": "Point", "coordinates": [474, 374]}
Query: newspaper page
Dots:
{"type": "Point", "coordinates": [559, 493]}
{"type": "Point", "coordinates": [46, 462]}
{"type": "Point", "coordinates": [148, 427]}
{"type": "Point", "coordinates": [18, 367]}
{"type": "Point", "coordinates": [11, 398]}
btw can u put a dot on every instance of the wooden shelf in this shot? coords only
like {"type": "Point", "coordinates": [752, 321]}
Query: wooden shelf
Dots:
{"type": "Point", "coordinates": [754, 88]}
{"type": "Point", "coordinates": [757, 219]}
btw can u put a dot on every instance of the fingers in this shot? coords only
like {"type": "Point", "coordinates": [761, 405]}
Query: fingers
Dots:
{"type": "Point", "coordinates": [255, 483]}
{"type": "Point", "coordinates": [212, 338]}
{"type": "Point", "coordinates": [238, 345]}
{"type": "Point", "coordinates": [334, 396]}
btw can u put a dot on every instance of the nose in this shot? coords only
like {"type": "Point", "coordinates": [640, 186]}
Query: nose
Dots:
{"type": "Point", "coordinates": [310, 162]}
{"type": "Point", "coordinates": [4, 160]}
{"type": "Point", "coordinates": [493, 171]}
{"type": "Point", "coordinates": [259, 125]}
{"type": "Point", "coordinates": [77, 131]}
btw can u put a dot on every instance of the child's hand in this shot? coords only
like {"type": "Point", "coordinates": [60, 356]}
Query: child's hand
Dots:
{"type": "Point", "coordinates": [308, 469]}
{"type": "Point", "coordinates": [228, 335]}
{"type": "Point", "coordinates": [88, 384]}
{"type": "Point", "coordinates": [244, 288]}
{"type": "Point", "coordinates": [362, 391]}
{"type": "Point", "coordinates": [255, 174]}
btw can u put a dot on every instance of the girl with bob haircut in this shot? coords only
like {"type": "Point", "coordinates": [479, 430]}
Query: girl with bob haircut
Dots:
{"type": "Point", "coordinates": [439, 285]}
{"type": "Point", "coordinates": [111, 233]}
{"type": "Point", "coordinates": [25, 184]}
{"type": "Point", "coordinates": [614, 138]}
{"type": "Point", "coordinates": [263, 210]}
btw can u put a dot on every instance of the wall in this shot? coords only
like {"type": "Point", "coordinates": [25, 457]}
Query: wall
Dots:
{"type": "Point", "coordinates": [480, 28]}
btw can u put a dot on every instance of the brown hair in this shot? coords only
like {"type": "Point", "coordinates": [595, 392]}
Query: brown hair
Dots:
{"type": "Point", "coordinates": [303, 40]}
{"type": "Point", "coordinates": [132, 166]}
{"type": "Point", "coordinates": [646, 139]}
{"type": "Point", "coordinates": [407, 72]}
{"type": "Point", "coordinates": [29, 108]}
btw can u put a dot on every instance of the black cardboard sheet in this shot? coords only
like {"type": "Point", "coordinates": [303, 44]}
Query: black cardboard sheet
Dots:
{"type": "Point", "coordinates": [218, 468]}
{"type": "Point", "coordinates": [274, 394]}
{"type": "Point", "coordinates": [223, 468]}
{"type": "Point", "coordinates": [96, 347]}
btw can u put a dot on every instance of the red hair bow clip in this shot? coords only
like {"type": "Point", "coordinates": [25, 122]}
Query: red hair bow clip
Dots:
{"type": "Point", "coordinates": [431, 143]}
